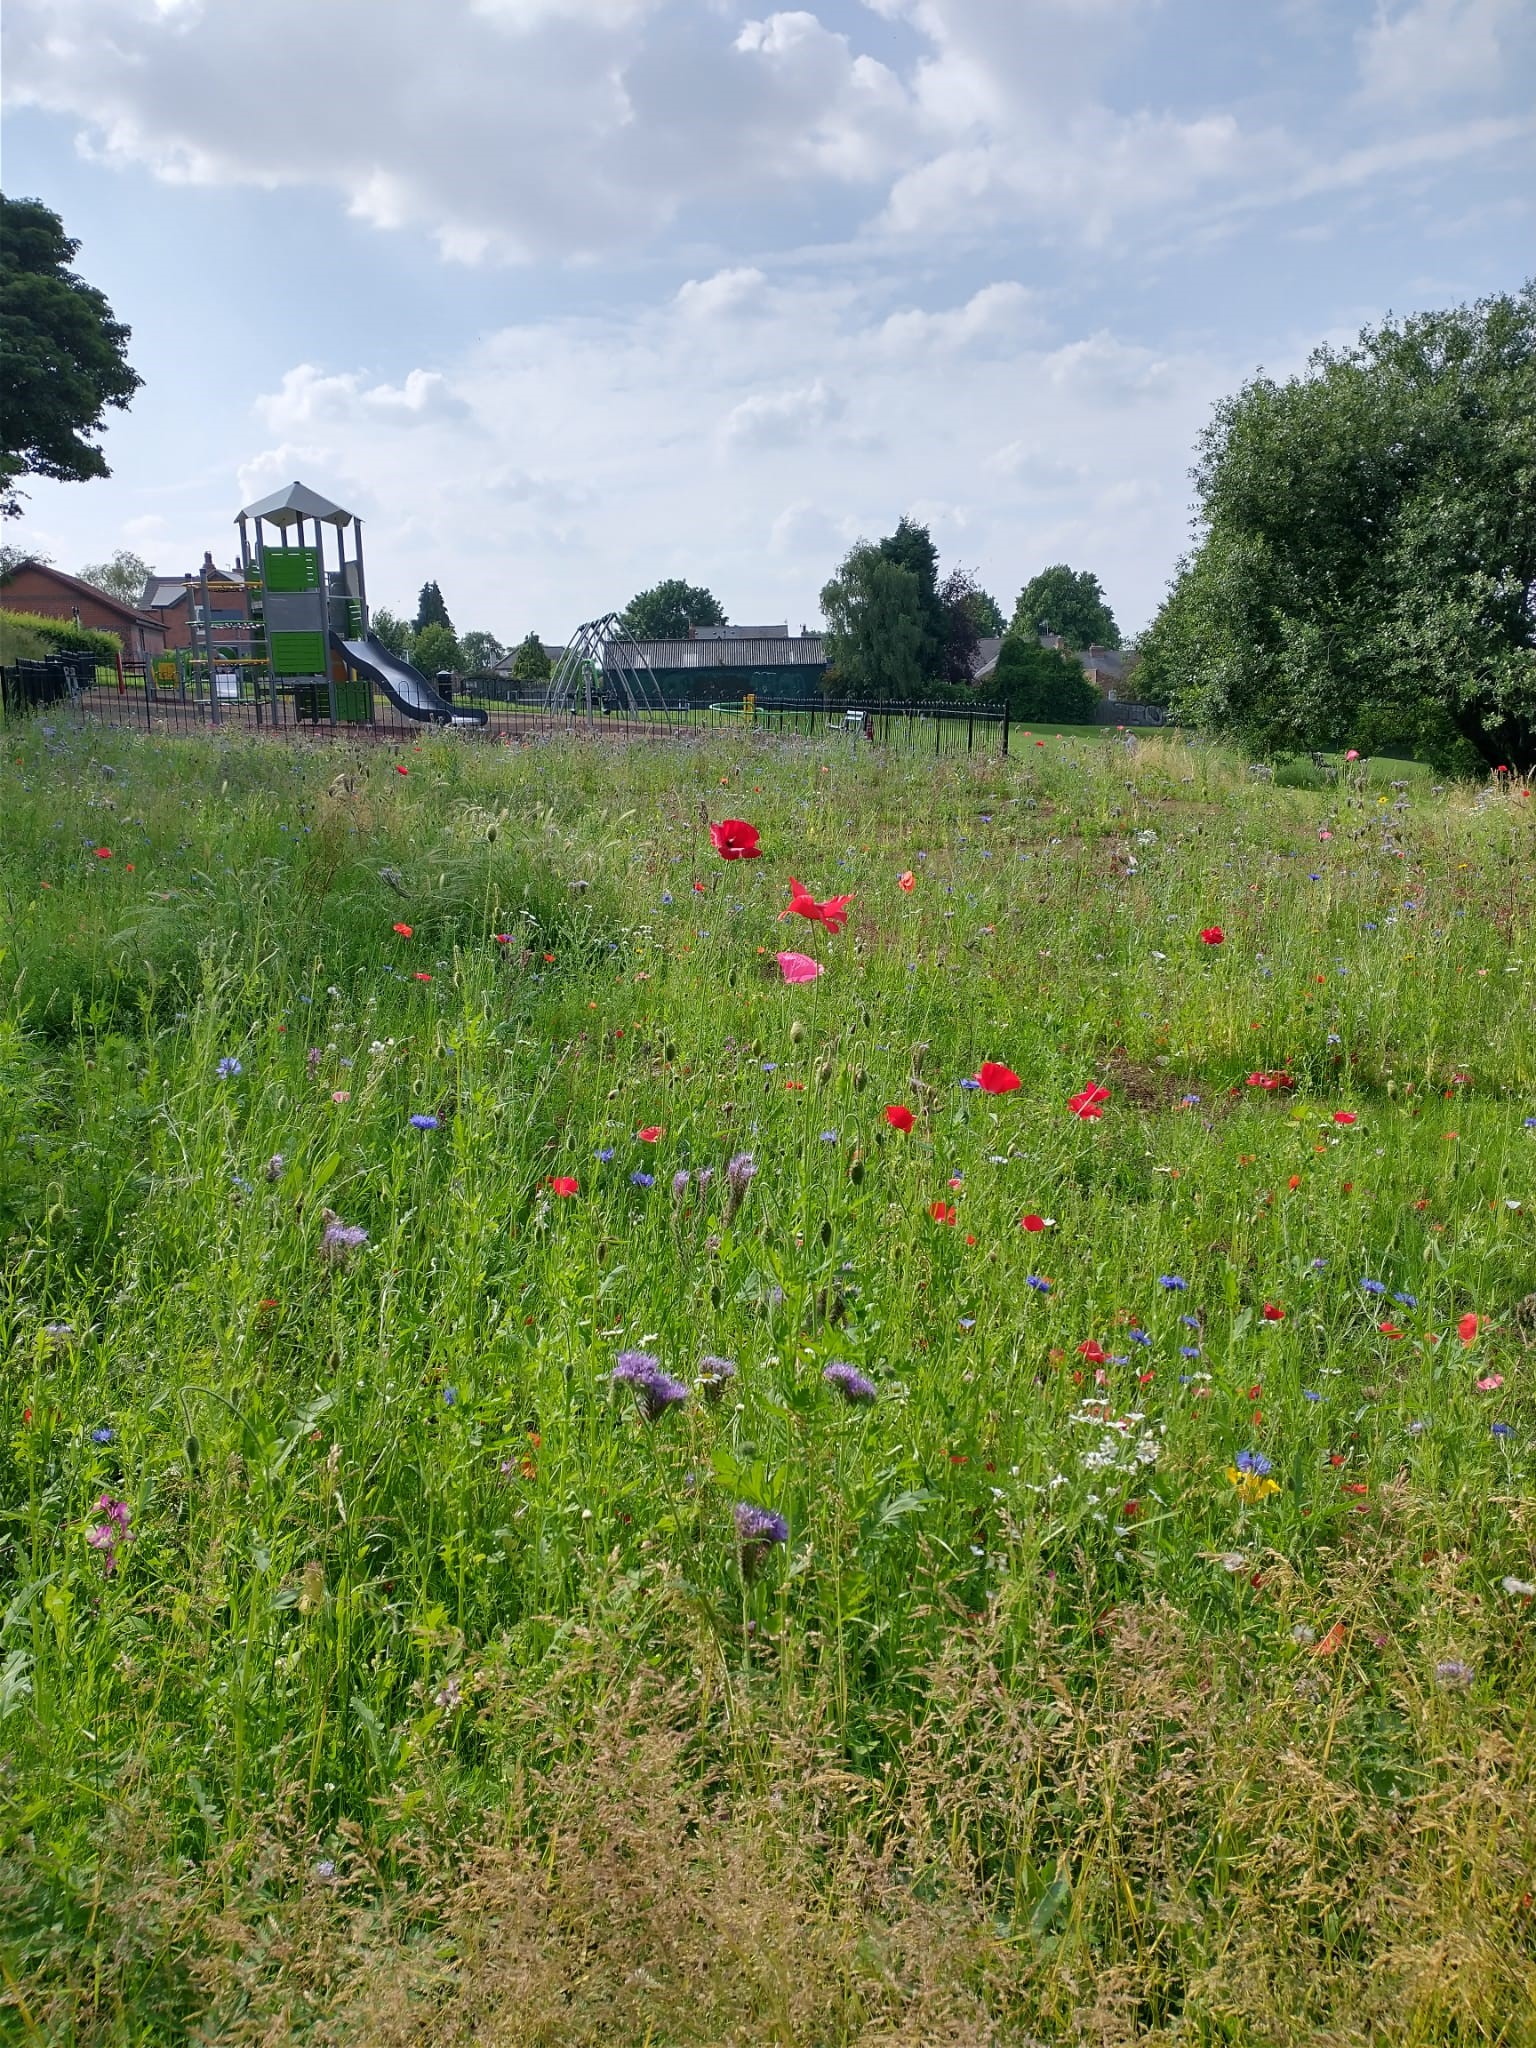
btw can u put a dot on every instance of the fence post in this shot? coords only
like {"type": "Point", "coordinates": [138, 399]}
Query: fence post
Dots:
{"type": "Point", "coordinates": [1005, 727]}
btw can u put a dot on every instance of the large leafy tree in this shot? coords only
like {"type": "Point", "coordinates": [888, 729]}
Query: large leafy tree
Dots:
{"type": "Point", "coordinates": [430, 608]}
{"type": "Point", "coordinates": [391, 631]}
{"type": "Point", "coordinates": [876, 628]}
{"type": "Point", "coordinates": [481, 651]}
{"type": "Point", "coordinates": [63, 355]}
{"type": "Point", "coordinates": [970, 615]}
{"type": "Point", "coordinates": [911, 548]}
{"type": "Point", "coordinates": [531, 664]}
{"type": "Point", "coordinates": [1367, 569]}
{"type": "Point", "coordinates": [123, 577]}
{"type": "Point", "coordinates": [436, 647]}
{"type": "Point", "coordinates": [669, 610]}
{"type": "Point", "coordinates": [1070, 602]}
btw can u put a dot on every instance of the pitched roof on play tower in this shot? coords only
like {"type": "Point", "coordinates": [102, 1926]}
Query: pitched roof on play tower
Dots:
{"type": "Point", "coordinates": [294, 502]}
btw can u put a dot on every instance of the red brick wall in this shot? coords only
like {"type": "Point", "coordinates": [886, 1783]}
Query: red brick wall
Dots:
{"type": "Point", "coordinates": [34, 589]}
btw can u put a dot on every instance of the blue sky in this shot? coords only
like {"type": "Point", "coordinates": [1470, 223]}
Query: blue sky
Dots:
{"type": "Point", "coordinates": [564, 296]}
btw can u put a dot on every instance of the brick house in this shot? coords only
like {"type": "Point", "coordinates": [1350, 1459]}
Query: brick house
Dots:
{"type": "Point", "coordinates": [177, 602]}
{"type": "Point", "coordinates": [39, 587]}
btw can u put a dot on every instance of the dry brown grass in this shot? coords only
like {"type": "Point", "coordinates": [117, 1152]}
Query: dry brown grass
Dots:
{"type": "Point", "coordinates": [701, 1868]}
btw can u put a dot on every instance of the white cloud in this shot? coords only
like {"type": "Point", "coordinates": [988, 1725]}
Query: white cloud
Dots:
{"type": "Point", "coordinates": [774, 419]}
{"type": "Point", "coordinates": [1436, 49]}
{"type": "Point", "coordinates": [307, 396]}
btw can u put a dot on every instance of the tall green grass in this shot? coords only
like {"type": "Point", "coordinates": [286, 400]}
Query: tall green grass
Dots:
{"type": "Point", "coordinates": [430, 1669]}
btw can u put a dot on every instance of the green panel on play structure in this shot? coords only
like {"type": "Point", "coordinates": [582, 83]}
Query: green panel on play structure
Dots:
{"type": "Point", "coordinates": [291, 568]}
{"type": "Point", "coordinates": [354, 703]}
{"type": "Point", "coordinates": [298, 654]}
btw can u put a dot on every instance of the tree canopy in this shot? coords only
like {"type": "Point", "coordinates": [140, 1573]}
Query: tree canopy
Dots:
{"type": "Point", "coordinates": [481, 651]}
{"type": "Point", "coordinates": [911, 548]}
{"type": "Point", "coordinates": [1367, 570]}
{"type": "Point", "coordinates": [436, 647]}
{"type": "Point", "coordinates": [123, 577]}
{"type": "Point", "coordinates": [391, 631]}
{"type": "Point", "coordinates": [876, 628]}
{"type": "Point", "coordinates": [531, 664]}
{"type": "Point", "coordinates": [430, 609]}
{"type": "Point", "coordinates": [63, 355]}
{"type": "Point", "coordinates": [1070, 602]}
{"type": "Point", "coordinates": [669, 610]}
{"type": "Point", "coordinates": [1042, 683]}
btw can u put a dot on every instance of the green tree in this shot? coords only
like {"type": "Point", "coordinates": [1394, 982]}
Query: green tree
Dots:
{"type": "Point", "coordinates": [124, 577]}
{"type": "Point", "coordinates": [670, 609]}
{"type": "Point", "coordinates": [391, 631]}
{"type": "Point", "coordinates": [969, 616]}
{"type": "Point", "coordinates": [988, 614]}
{"type": "Point", "coordinates": [12, 557]}
{"type": "Point", "coordinates": [481, 652]}
{"type": "Point", "coordinates": [430, 609]}
{"type": "Point", "coordinates": [63, 356]}
{"type": "Point", "coordinates": [1042, 684]}
{"type": "Point", "coordinates": [531, 664]}
{"type": "Point", "coordinates": [435, 647]}
{"type": "Point", "coordinates": [911, 548]}
{"type": "Point", "coordinates": [876, 631]}
{"type": "Point", "coordinates": [1070, 602]}
{"type": "Point", "coordinates": [1367, 570]}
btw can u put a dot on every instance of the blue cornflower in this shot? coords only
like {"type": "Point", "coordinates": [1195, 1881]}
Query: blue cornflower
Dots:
{"type": "Point", "coordinates": [1319, 1265]}
{"type": "Point", "coordinates": [1253, 1461]}
{"type": "Point", "coordinates": [1503, 1428]}
{"type": "Point", "coordinates": [1308, 1395]}
{"type": "Point", "coordinates": [1407, 1300]}
{"type": "Point", "coordinates": [423, 1123]}
{"type": "Point", "coordinates": [1374, 1286]}
{"type": "Point", "coordinates": [603, 1152]}
{"type": "Point", "coordinates": [1189, 1101]}
{"type": "Point", "coordinates": [666, 895]}
{"type": "Point", "coordinates": [829, 1137]}
{"type": "Point", "coordinates": [103, 1435]}
{"type": "Point", "coordinates": [1189, 1351]}
{"type": "Point", "coordinates": [970, 1081]}
{"type": "Point", "coordinates": [1172, 1282]}
{"type": "Point", "coordinates": [228, 1067]}
{"type": "Point", "coordinates": [770, 1066]}
{"type": "Point", "coordinates": [1040, 1286]}
{"type": "Point", "coordinates": [1190, 1322]}
{"type": "Point", "coordinates": [1140, 1337]}
{"type": "Point", "coordinates": [642, 1180]}
{"type": "Point", "coordinates": [967, 1322]}
{"type": "Point", "coordinates": [1530, 1123]}
{"type": "Point", "coordinates": [450, 1396]}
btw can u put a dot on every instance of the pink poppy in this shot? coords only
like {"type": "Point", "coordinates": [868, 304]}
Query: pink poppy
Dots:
{"type": "Point", "coordinates": [651, 1133]}
{"type": "Point", "coordinates": [799, 966]}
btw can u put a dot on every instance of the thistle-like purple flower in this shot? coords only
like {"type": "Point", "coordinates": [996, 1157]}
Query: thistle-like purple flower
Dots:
{"type": "Point", "coordinates": [1453, 1674]}
{"type": "Point", "coordinates": [275, 1166]}
{"type": "Point", "coordinates": [680, 1184]}
{"type": "Point", "coordinates": [112, 1532]}
{"type": "Point", "coordinates": [738, 1178]}
{"type": "Point", "coordinates": [715, 1375]}
{"type": "Point", "coordinates": [339, 1240]}
{"type": "Point", "coordinates": [759, 1525]}
{"type": "Point", "coordinates": [848, 1381]}
{"type": "Point", "coordinates": [655, 1390]}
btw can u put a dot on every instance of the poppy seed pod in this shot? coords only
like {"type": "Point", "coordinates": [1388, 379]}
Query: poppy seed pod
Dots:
{"type": "Point", "coordinates": [823, 1073]}
{"type": "Point", "coordinates": [860, 1078]}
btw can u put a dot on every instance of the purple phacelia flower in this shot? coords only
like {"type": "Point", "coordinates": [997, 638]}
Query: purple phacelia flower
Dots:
{"type": "Point", "coordinates": [655, 1390]}
{"type": "Point", "coordinates": [848, 1381]}
{"type": "Point", "coordinates": [340, 1240]}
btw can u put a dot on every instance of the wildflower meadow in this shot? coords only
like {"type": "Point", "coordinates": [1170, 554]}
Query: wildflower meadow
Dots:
{"type": "Point", "coordinates": [751, 1392]}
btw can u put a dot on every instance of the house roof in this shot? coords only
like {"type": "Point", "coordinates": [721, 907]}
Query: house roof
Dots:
{"type": "Point", "coordinates": [791, 650]}
{"type": "Point", "coordinates": [984, 661]}
{"type": "Point", "coordinates": [76, 588]}
{"type": "Point", "coordinates": [294, 502]}
{"type": "Point", "coordinates": [779, 632]}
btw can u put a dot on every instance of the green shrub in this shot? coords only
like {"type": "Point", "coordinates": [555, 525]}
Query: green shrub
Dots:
{"type": "Point", "coordinates": [29, 636]}
{"type": "Point", "coordinates": [1042, 683]}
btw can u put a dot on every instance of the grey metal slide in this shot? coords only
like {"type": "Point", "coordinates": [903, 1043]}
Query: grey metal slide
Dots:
{"type": "Point", "coordinates": [405, 687]}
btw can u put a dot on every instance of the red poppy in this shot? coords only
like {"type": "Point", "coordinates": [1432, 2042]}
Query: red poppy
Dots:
{"type": "Point", "coordinates": [1213, 935]}
{"type": "Point", "coordinates": [422, 977]}
{"type": "Point", "coordinates": [833, 913]}
{"type": "Point", "coordinates": [735, 839]}
{"type": "Point", "coordinates": [906, 882]}
{"type": "Point", "coordinates": [562, 1184]}
{"type": "Point", "coordinates": [1271, 1081]}
{"type": "Point", "coordinates": [1094, 1352]}
{"type": "Point", "coordinates": [898, 1116]}
{"type": "Point", "coordinates": [943, 1212]}
{"type": "Point", "coordinates": [1467, 1328]}
{"type": "Point", "coordinates": [1088, 1103]}
{"type": "Point", "coordinates": [995, 1078]}
{"type": "Point", "coordinates": [1271, 1313]}
{"type": "Point", "coordinates": [103, 853]}
{"type": "Point", "coordinates": [1345, 1116]}
{"type": "Point", "coordinates": [401, 771]}
{"type": "Point", "coordinates": [651, 1133]}
{"type": "Point", "coordinates": [1389, 1329]}
{"type": "Point", "coordinates": [404, 930]}
{"type": "Point", "coordinates": [1032, 1223]}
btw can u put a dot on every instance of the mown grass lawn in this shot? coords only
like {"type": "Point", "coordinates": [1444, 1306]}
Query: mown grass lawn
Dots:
{"type": "Point", "coordinates": [1129, 1641]}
